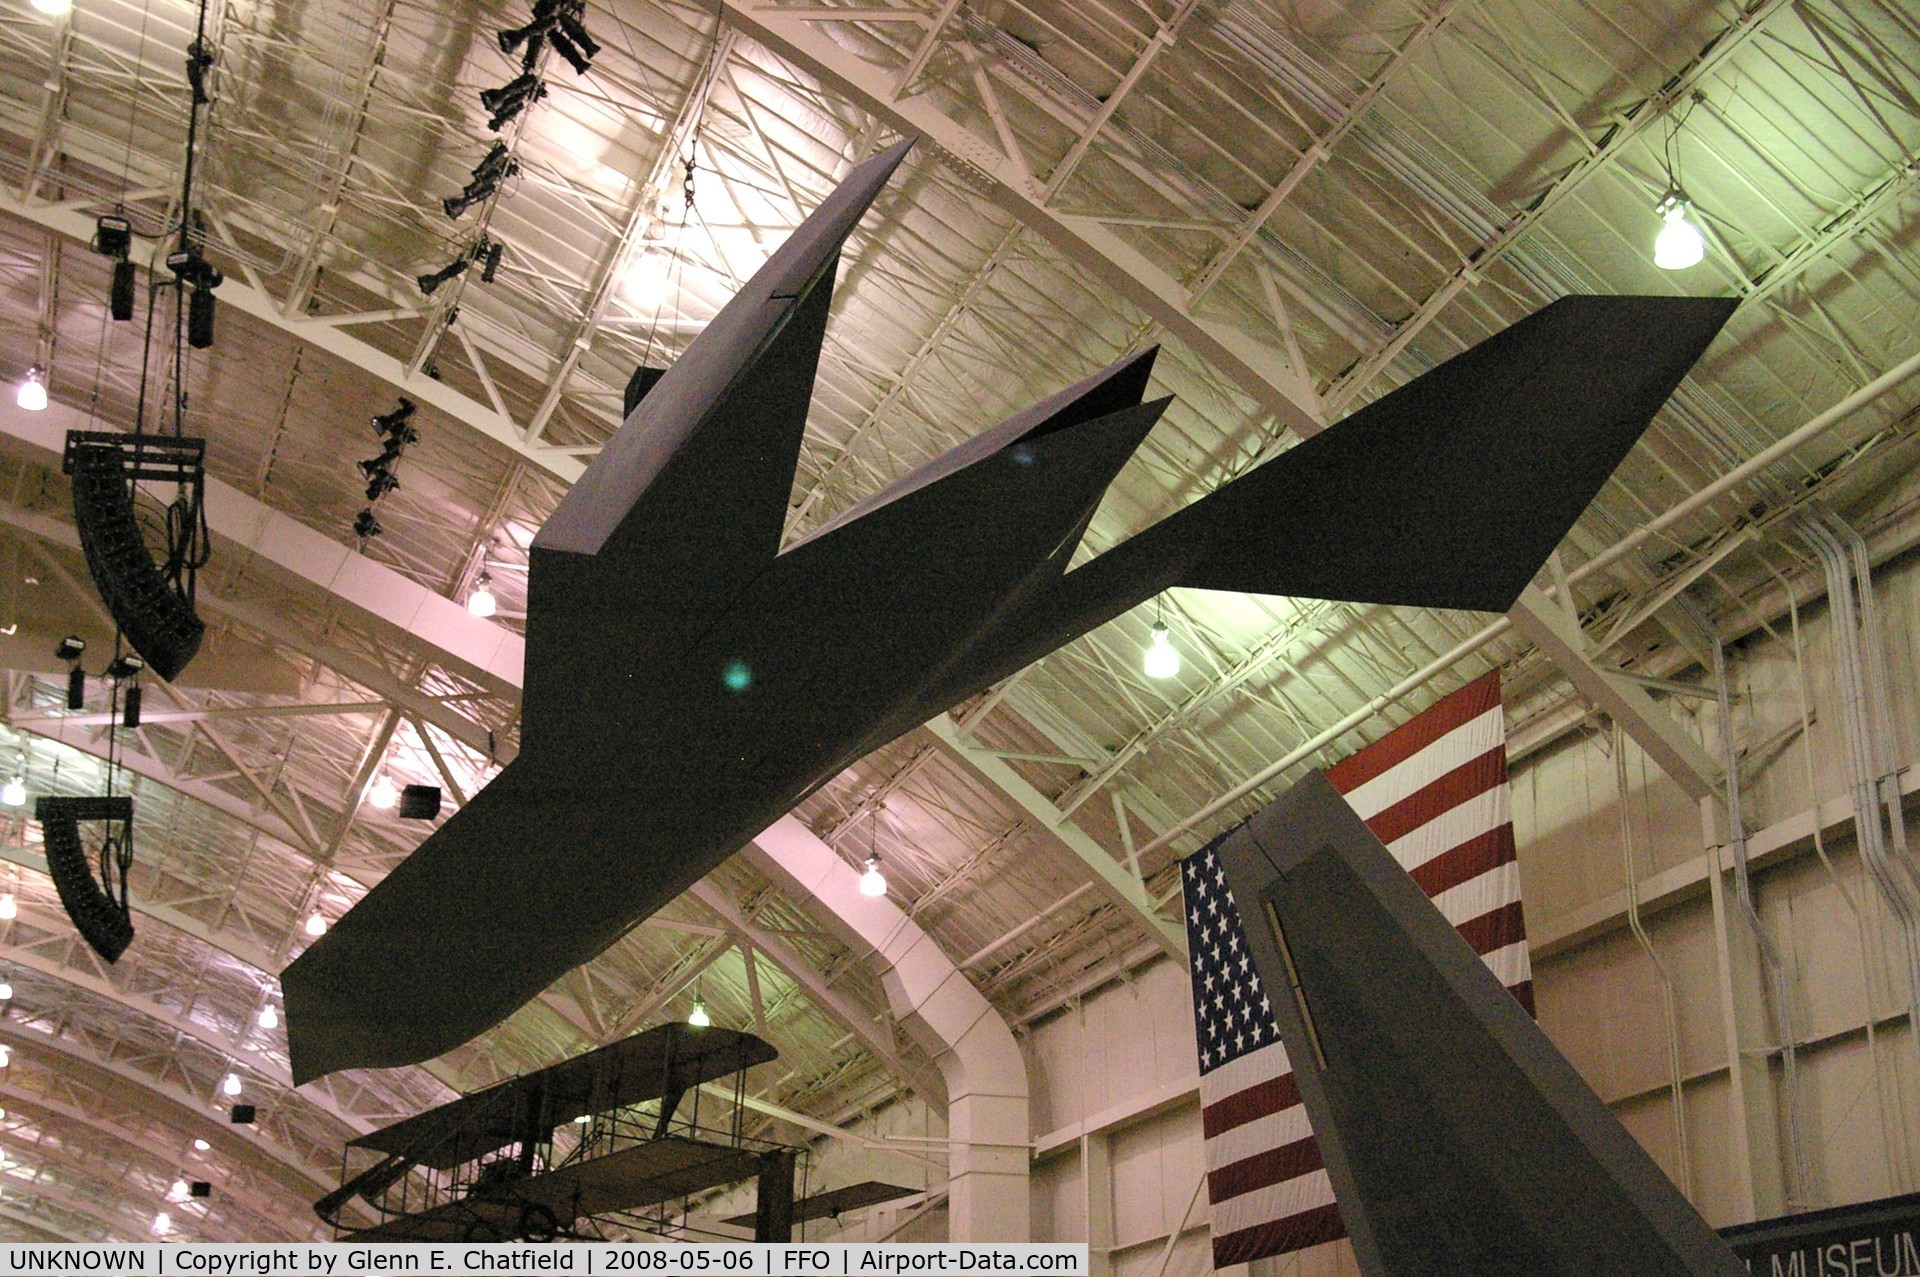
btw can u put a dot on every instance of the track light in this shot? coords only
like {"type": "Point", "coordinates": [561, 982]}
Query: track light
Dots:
{"type": "Point", "coordinates": [316, 925]}
{"type": "Point", "coordinates": [394, 423]}
{"type": "Point", "coordinates": [1162, 659]}
{"type": "Point", "coordinates": [9, 907]}
{"type": "Point", "coordinates": [481, 602]}
{"type": "Point", "coordinates": [365, 526]}
{"type": "Point", "coordinates": [269, 1018]}
{"type": "Point", "coordinates": [383, 793]}
{"type": "Point", "coordinates": [232, 1085]}
{"type": "Point", "coordinates": [430, 283]}
{"type": "Point", "coordinates": [511, 98]}
{"type": "Point", "coordinates": [698, 1017]}
{"type": "Point", "coordinates": [33, 390]}
{"type": "Point", "coordinates": [1680, 243]}
{"type": "Point", "coordinates": [15, 792]}
{"type": "Point", "coordinates": [873, 882]}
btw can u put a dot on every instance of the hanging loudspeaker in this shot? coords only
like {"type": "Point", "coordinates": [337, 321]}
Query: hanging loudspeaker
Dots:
{"type": "Point", "coordinates": [103, 922]}
{"type": "Point", "coordinates": [120, 298]}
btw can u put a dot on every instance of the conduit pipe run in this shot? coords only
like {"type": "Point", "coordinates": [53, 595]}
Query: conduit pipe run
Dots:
{"type": "Point", "coordinates": [971, 1045]}
{"type": "Point", "coordinates": [1855, 647]}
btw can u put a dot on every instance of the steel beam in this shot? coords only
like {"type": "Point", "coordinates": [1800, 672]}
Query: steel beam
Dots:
{"type": "Point", "coordinates": [1263, 372]}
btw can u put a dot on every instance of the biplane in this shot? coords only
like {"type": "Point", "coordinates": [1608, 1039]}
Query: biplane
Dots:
{"type": "Point", "coordinates": [553, 1154]}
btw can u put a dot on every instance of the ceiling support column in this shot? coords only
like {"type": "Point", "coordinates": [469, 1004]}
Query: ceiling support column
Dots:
{"type": "Point", "coordinates": [987, 1095]}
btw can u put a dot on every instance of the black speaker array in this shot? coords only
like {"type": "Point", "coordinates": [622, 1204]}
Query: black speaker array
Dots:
{"type": "Point", "coordinates": [103, 920]}
{"type": "Point", "coordinates": [158, 622]}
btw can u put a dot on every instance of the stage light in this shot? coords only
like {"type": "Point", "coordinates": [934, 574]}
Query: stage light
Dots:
{"type": "Point", "coordinates": [382, 484]}
{"type": "Point", "coordinates": [316, 924]}
{"type": "Point", "coordinates": [199, 62]}
{"type": "Point", "coordinates": [490, 259]}
{"type": "Point", "coordinates": [178, 1193]}
{"type": "Point", "coordinates": [14, 794]}
{"type": "Point", "coordinates": [162, 1224]}
{"type": "Point", "coordinates": [429, 284]}
{"type": "Point", "coordinates": [481, 602]}
{"type": "Point", "coordinates": [698, 1017]}
{"type": "Point", "coordinates": [201, 1146]}
{"type": "Point", "coordinates": [1162, 659]}
{"type": "Point", "coordinates": [232, 1085]}
{"type": "Point", "coordinates": [6, 990]}
{"type": "Point", "coordinates": [383, 793]}
{"type": "Point", "coordinates": [873, 882]}
{"type": "Point", "coordinates": [269, 1018]}
{"type": "Point", "coordinates": [511, 98]}
{"type": "Point", "coordinates": [9, 908]}
{"type": "Point", "coordinates": [70, 648]}
{"type": "Point", "coordinates": [391, 423]}
{"type": "Point", "coordinates": [112, 236]}
{"type": "Point", "coordinates": [33, 390]}
{"type": "Point", "coordinates": [1680, 243]}
{"type": "Point", "coordinates": [365, 526]}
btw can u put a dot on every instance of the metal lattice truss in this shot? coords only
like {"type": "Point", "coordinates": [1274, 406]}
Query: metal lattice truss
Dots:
{"type": "Point", "coordinates": [1306, 204]}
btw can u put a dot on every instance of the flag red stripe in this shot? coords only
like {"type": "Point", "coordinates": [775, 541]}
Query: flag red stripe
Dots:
{"type": "Point", "coordinates": [1480, 854]}
{"type": "Point", "coordinates": [1262, 1170]}
{"type": "Point", "coordinates": [1262, 1099]}
{"type": "Point", "coordinates": [1293, 1232]}
{"type": "Point", "coordinates": [1469, 780]}
{"type": "Point", "coordinates": [1495, 930]}
{"type": "Point", "coordinates": [1418, 732]}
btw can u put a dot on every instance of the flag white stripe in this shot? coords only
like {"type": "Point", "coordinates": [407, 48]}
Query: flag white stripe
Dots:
{"type": "Point", "coordinates": [1498, 886]}
{"type": "Point", "coordinates": [1415, 772]}
{"type": "Point", "coordinates": [1466, 820]}
{"type": "Point", "coordinates": [1258, 1136]}
{"type": "Point", "coordinates": [1254, 1067]}
{"type": "Point", "coordinates": [1510, 964]}
{"type": "Point", "coordinates": [1275, 1201]}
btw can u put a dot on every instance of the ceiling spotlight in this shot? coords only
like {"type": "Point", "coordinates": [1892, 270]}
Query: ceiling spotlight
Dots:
{"type": "Point", "coordinates": [6, 990]}
{"type": "Point", "coordinates": [9, 908]}
{"type": "Point", "coordinates": [14, 792]}
{"type": "Point", "coordinates": [269, 1018]}
{"type": "Point", "coordinates": [390, 422]}
{"type": "Point", "coordinates": [383, 793]}
{"type": "Point", "coordinates": [873, 882]}
{"type": "Point", "coordinates": [232, 1085]}
{"type": "Point", "coordinates": [583, 1119]}
{"type": "Point", "coordinates": [481, 602]}
{"type": "Point", "coordinates": [511, 98]}
{"type": "Point", "coordinates": [6, 1055]}
{"type": "Point", "coordinates": [162, 1224]}
{"type": "Point", "coordinates": [201, 1146]}
{"type": "Point", "coordinates": [1680, 243]}
{"type": "Point", "coordinates": [1163, 658]}
{"type": "Point", "coordinates": [53, 8]}
{"type": "Point", "coordinates": [698, 1017]}
{"type": "Point", "coordinates": [316, 926]}
{"type": "Point", "coordinates": [33, 390]}
{"type": "Point", "coordinates": [178, 1193]}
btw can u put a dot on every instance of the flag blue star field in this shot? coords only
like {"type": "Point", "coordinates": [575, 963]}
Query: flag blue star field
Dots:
{"type": "Point", "coordinates": [1434, 790]}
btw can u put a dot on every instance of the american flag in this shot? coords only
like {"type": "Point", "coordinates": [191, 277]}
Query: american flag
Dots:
{"type": "Point", "coordinates": [1435, 792]}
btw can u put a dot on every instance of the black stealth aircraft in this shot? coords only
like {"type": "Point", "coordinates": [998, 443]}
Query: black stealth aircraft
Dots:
{"type": "Point", "coordinates": [689, 681]}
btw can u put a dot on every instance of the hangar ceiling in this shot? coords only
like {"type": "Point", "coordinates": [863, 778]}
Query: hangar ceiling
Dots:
{"type": "Point", "coordinates": [1307, 203]}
